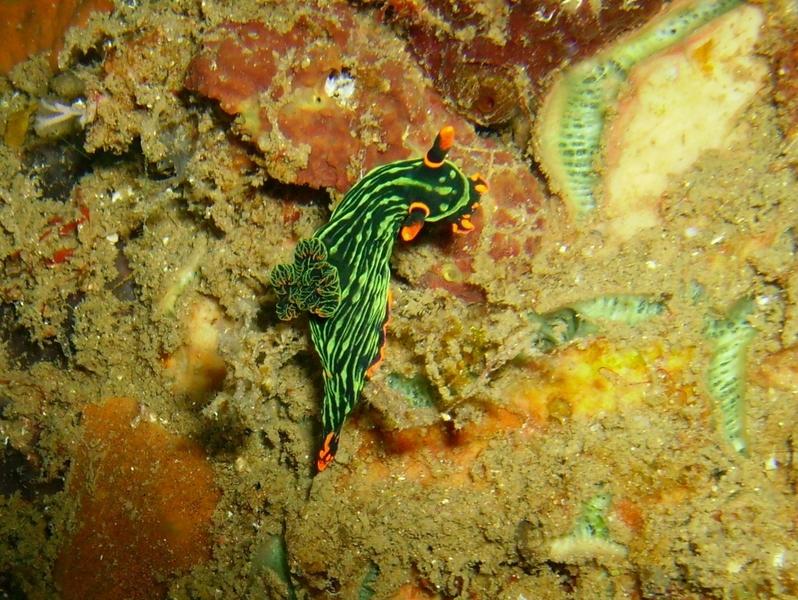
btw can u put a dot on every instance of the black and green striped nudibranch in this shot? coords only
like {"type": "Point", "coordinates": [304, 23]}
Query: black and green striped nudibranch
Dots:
{"type": "Point", "coordinates": [341, 275]}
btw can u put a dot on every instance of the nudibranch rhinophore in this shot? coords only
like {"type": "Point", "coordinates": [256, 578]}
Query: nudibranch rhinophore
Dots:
{"type": "Point", "coordinates": [341, 275]}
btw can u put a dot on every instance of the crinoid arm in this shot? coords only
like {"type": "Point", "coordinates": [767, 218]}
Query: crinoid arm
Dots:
{"type": "Point", "coordinates": [309, 284]}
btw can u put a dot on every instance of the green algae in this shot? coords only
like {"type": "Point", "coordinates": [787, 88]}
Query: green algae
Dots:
{"type": "Point", "coordinates": [593, 522]}
{"type": "Point", "coordinates": [272, 555]}
{"type": "Point", "coordinates": [417, 390]}
{"type": "Point", "coordinates": [366, 591]}
{"type": "Point", "coordinates": [590, 535]}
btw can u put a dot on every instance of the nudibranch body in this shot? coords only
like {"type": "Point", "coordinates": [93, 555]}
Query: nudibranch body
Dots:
{"type": "Point", "coordinates": [341, 275]}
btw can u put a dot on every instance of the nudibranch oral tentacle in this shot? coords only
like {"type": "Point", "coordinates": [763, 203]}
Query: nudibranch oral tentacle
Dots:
{"type": "Point", "coordinates": [342, 274]}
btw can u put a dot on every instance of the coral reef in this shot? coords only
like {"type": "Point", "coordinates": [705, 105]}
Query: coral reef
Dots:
{"type": "Point", "coordinates": [548, 418]}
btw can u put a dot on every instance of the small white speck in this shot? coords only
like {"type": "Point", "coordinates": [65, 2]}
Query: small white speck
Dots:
{"type": "Point", "coordinates": [691, 232]}
{"type": "Point", "coordinates": [771, 464]}
{"type": "Point", "coordinates": [165, 240]}
{"type": "Point", "coordinates": [563, 248]}
{"type": "Point", "coordinates": [113, 238]}
{"type": "Point", "coordinates": [340, 86]}
{"type": "Point", "coordinates": [763, 300]}
{"type": "Point", "coordinates": [717, 239]}
{"type": "Point", "coordinates": [778, 559]}
{"type": "Point", "coordinates": [651, 264]}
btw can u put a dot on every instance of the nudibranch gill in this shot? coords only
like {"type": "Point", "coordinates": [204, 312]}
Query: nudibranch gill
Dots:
{"type": "Point", "coordinates": [341, 275]}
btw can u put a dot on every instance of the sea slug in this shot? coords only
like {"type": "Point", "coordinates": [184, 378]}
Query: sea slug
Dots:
{"type": "Point", "coordinates": [341, 275]}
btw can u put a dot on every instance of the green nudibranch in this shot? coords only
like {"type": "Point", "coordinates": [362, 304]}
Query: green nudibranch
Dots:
{"type": "Point", "coordinates": [341, 275]}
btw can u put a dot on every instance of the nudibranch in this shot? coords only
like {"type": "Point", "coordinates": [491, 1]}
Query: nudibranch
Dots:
{"type": "Point", "coordinates": [341, 275]}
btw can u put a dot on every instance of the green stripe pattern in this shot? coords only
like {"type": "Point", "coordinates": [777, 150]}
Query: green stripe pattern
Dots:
{"type": "Point", "coordinates": [726, 373]}
{"type": "Point", "coordinates": [349, 257]}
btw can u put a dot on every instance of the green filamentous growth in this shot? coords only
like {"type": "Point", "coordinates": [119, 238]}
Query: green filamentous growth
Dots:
{"type": "Point", "coordinates": [309, 284]}
{"type": "Point", "coordinates": [590, 535]}
{"type": "Point", "coordinates": [592, 522]}
{"type": "Point", "coordinates": [726, 373]}
{"type": "Point", "coordinates": [417, 390]}
{"type": "Point", "coordinates": [592, 87]}
{"type": "Point", "coordinates": [341, 275]}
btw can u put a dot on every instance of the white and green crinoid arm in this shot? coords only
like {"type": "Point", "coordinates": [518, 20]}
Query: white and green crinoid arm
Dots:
{"type": "Point", "coordinates": [571, 121]}
{"type": "Point", "coordinates": [726, 373]}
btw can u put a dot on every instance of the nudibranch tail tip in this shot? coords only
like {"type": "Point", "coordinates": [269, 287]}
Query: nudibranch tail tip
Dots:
{"type": "Point", "coordinates": [327, 451]}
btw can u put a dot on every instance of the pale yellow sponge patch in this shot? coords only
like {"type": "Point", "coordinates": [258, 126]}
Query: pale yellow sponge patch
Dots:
{"type": "Point", "coordinates": [196, 368]}
{"type": "Point", "coordinates": [676, 105]}
{"type": "Point", "coordinates": [599, 378]}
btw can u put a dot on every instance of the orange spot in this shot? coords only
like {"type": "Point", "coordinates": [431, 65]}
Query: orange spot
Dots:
{"type": "Point", "coordinates": [481, 186]}
{"type": "Point", "coordinates": [419, 206]}
{"type": "Point", "coordinates": [463, 227]}
{"type": "Point", "coordinates": [447, 137]}
{"type": "Point", "coordinates": [411, 591]}
{"type": "Point", "coordinates": [326, 454]}
{"type": "Point", "coordinates": [60, 256]}
{"type": "Point", "coordinates": [146, 499]}
{"type": "Point", "coordinates": [630, 513]}
{"type": "Point", "coordinates": [409, 232]}
{"type": "Point", "coordinates": [430, 164]}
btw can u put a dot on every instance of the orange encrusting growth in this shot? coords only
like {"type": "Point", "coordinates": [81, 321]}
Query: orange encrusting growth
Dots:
{"type": "Point", "coordinates": [146, 497]}
{"type": "Point", "coordinates": [31, 26]}
{"type": "Point", "coordinates": [576, 382]}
